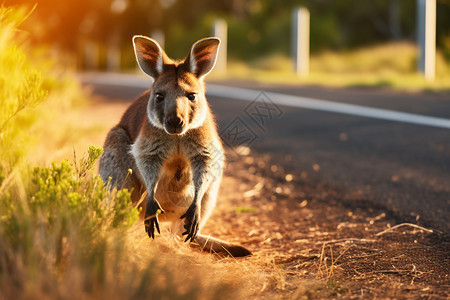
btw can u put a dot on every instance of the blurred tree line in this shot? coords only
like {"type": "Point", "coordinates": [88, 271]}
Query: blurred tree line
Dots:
{"type": "Point", "coordinates": [256, 27]}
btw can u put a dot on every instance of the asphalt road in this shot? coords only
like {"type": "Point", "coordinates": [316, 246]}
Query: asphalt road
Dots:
{"type": "Point", "coordinates": [400, 167]}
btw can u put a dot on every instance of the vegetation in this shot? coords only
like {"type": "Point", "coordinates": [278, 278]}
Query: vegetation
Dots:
{"type": "Point", "coordinates": [48, 214]}
{"type": "Point", "coordinates": [257, 28]}
{"type": "Point", "coordinates": [62, 233]}
{"type": "Point", "coordinates": [353, 43]}
{"type": "Point", "coordinates": [55, 221]}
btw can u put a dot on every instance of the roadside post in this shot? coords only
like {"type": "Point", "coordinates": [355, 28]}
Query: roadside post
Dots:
{"type": "Point", "coordinates": [300, 41]}
{"type": "Point", "coordinates": [220, 29]}
{"type": "Point", "coordinates": [426, 37]}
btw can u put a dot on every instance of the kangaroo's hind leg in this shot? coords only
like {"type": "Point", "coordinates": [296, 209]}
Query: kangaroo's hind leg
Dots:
{"type": "Point", "coordinates": [206, 242]}
{"type": "Point", "coordinates": [117, 160]}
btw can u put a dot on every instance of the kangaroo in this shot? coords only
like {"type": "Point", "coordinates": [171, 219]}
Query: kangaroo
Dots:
{"type": "Point", "coordinates": [168, 138]}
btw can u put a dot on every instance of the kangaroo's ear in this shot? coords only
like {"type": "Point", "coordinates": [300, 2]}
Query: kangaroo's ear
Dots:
{"type": "Point", "coordinates": [203, 55]}
{"type": "Point", "coordinates": [149, 55]}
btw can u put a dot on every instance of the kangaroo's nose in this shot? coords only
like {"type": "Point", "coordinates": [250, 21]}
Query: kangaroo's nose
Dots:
{"type": "Point", "coordinates": [174, 124]}
{"type": "Point", "coordinates": [174, 121]}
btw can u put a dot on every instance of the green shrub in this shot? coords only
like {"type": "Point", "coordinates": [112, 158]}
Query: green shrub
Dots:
{"type": "Point", "coordinates": [64, 235]}
{"type": "Point", "coordinates": [61, 219]}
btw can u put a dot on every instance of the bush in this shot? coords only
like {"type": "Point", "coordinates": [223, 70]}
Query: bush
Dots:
{"type": "Point", "coordinates": [59, 218]}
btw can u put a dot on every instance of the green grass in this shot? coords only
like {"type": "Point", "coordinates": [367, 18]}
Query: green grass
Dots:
{"type": "Point", "coordinates": [391, 66]}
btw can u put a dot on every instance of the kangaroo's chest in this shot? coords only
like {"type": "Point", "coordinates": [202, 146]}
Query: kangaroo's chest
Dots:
{"type": "Point", "coordinates": [171, 162]}
{"type": "Point", "coordinates": [175, 188]}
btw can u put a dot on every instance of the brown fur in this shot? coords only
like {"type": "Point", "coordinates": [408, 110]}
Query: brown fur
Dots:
{"type": "Point", "coordinates": [169, 139]}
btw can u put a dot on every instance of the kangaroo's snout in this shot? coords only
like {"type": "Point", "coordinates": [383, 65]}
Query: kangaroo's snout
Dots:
{"type": "Point", "coordinates": [174, 125]}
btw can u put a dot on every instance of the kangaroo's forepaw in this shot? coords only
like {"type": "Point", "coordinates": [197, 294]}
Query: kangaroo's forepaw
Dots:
{"type": "Point", "coordinates": [191, 224]}
{"type": "Point", "coordinates": [151, 218]}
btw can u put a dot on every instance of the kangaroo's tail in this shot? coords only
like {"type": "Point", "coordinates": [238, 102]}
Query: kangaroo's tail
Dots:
{"type": "Point", "coordinates": [213, 245]}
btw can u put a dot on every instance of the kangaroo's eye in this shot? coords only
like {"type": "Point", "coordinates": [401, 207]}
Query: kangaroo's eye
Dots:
{"type": "Point", "coordinates": [192, 97]}
{"type": "Point", "coordinates": [159, 97]}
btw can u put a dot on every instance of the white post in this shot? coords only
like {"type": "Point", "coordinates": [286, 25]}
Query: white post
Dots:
{"type": "Point", "coordinates": [426, 37]}
{"type": "Point", "coordinates": [220, 29]}
{"type": "Point", "coordinates": [300, 41]}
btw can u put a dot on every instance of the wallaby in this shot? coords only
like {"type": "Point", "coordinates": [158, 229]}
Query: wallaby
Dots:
{"type": "Point", "coordinates": [168, 138]}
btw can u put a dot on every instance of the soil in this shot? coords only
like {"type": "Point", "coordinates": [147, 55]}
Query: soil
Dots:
{"type": "Point", "coordinates": [313, 231]}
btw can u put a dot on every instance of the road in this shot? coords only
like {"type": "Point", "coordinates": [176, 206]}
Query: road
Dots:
{"type": "Point", "coordinates": [392, 164]}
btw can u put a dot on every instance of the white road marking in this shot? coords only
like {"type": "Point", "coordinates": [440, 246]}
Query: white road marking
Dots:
{"type": "Point", "coordinates": [131, 80]}
{"type": "Point", "coordinates": [329, 106]}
